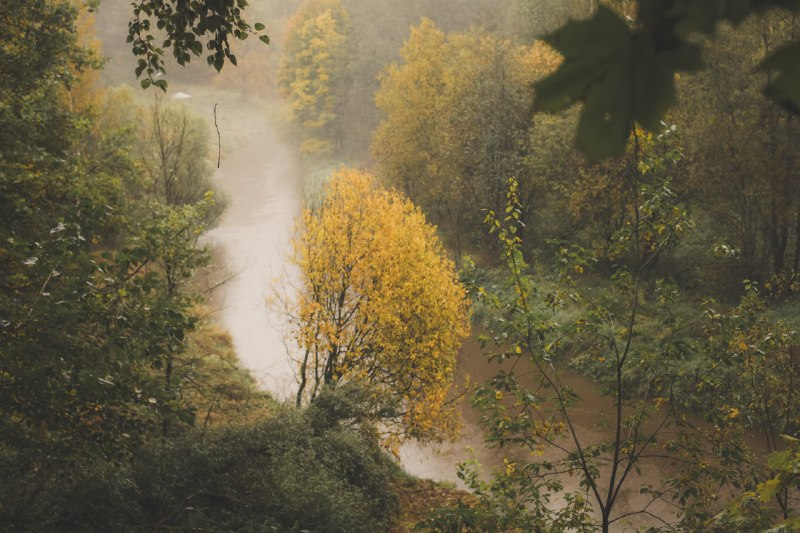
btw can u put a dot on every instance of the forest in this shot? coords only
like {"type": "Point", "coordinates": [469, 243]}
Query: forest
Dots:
{"type": "Point", "coordinates": [432, 265]}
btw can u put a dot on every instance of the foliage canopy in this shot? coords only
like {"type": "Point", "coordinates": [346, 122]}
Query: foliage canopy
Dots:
{"type": "Point", "coordinates": [457, 122]}
{"type": "Point", "coordinates": [311, 72]}
{"type": "Point", "coordinates": [189, 28]}
{"type": "Point", "coordinates": [379, 303]}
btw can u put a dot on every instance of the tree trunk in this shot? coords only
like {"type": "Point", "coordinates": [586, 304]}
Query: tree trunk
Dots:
{"type": "Point", "coordinates": [796, 262]}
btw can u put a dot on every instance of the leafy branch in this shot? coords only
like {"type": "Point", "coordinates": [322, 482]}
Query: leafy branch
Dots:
{"type": "Point", "coordinates": [188, 27]}
{"type": "Point", "coordinates": [624, 71]}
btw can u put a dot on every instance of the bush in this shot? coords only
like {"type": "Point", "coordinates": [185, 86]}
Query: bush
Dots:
{"type": "Point", "coordinates": [316, 469]}
{"type": "Point", "coordinates": [282, 474]}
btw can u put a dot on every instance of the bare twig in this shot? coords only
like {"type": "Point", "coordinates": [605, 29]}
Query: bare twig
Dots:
{"type": "Point", "coordinates": [36, 300]}
{"type": "Point", "coordinates": [219, 138]}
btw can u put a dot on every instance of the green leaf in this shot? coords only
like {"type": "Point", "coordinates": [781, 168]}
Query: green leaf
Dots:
{"type": "Point", "coordinates": [258, 26]}
{"type": "Point", "coordinates": [684, 56]}
{"type": "Point", "coordinates": [785, 88]}
{"type": "Point", "coordinates": [792, 523]}
{"type": "Point", "coordinates": [653, 85]}
{"type": "Point", "coordinates": [778, 460]}
{"type": "Point", "coordinates": [623, 78]}
{"type": "Point", "coordinates": [591, 48]}
{"type": "Point", "coordinates": [264, 39]}
{"type": "Point", "coordinates": [596, 69]}
{"type": "Point", "coordinates": [607, 114]}
{"type": "Point", "coordinates": [768, 490]}
{"type": "Point", "coordinates": [693, 16]}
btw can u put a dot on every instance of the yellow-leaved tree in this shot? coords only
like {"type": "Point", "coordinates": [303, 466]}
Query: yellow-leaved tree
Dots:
{"type": "Point", "coordinates": [379, 305]}
{"type": "Point", "coordinates": [312, 70]}
{"type": "Point", "coordinates": [85, 92]}
{"type": "Point", "coordinates": [458, 124]}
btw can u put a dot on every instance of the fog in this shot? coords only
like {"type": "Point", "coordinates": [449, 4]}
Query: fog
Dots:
{"type": "Point", "coordinates": [261, 171]}
{"type": "Point", "coordinates": [264, 176]}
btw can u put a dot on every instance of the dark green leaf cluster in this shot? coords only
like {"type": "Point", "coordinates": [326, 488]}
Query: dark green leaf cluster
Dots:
{"type": "Point", "coordinates": [624, 71]}
{"type": "Point", "coordinates": [285, 473]}
{"type": "Point", "coordinates": [189, 27]}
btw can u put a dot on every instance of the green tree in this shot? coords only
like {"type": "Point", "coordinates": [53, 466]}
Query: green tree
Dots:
{"type": "Point", "coordinates": [297, 469]}
{"type": "Point", "coordinates": [743, 384]}
{"type": "Point", "coordinates": [528, 404]}
{"type": "Point", "coordinates": [785, 465]}
{"type": "Point", "coordinates": [743, 157]}
{"type": "Point", "coordinates": [40, 58]}
{"type": "Point", "coordinates": [89, 321]}
{"type": "Point", "coordinates": [174, 151]}
{"type": "Point", "coordinates": [84, 336]}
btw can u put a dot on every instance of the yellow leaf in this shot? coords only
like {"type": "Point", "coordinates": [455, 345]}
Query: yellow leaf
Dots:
{"type": "Point", "coordinates": [378, 301]}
